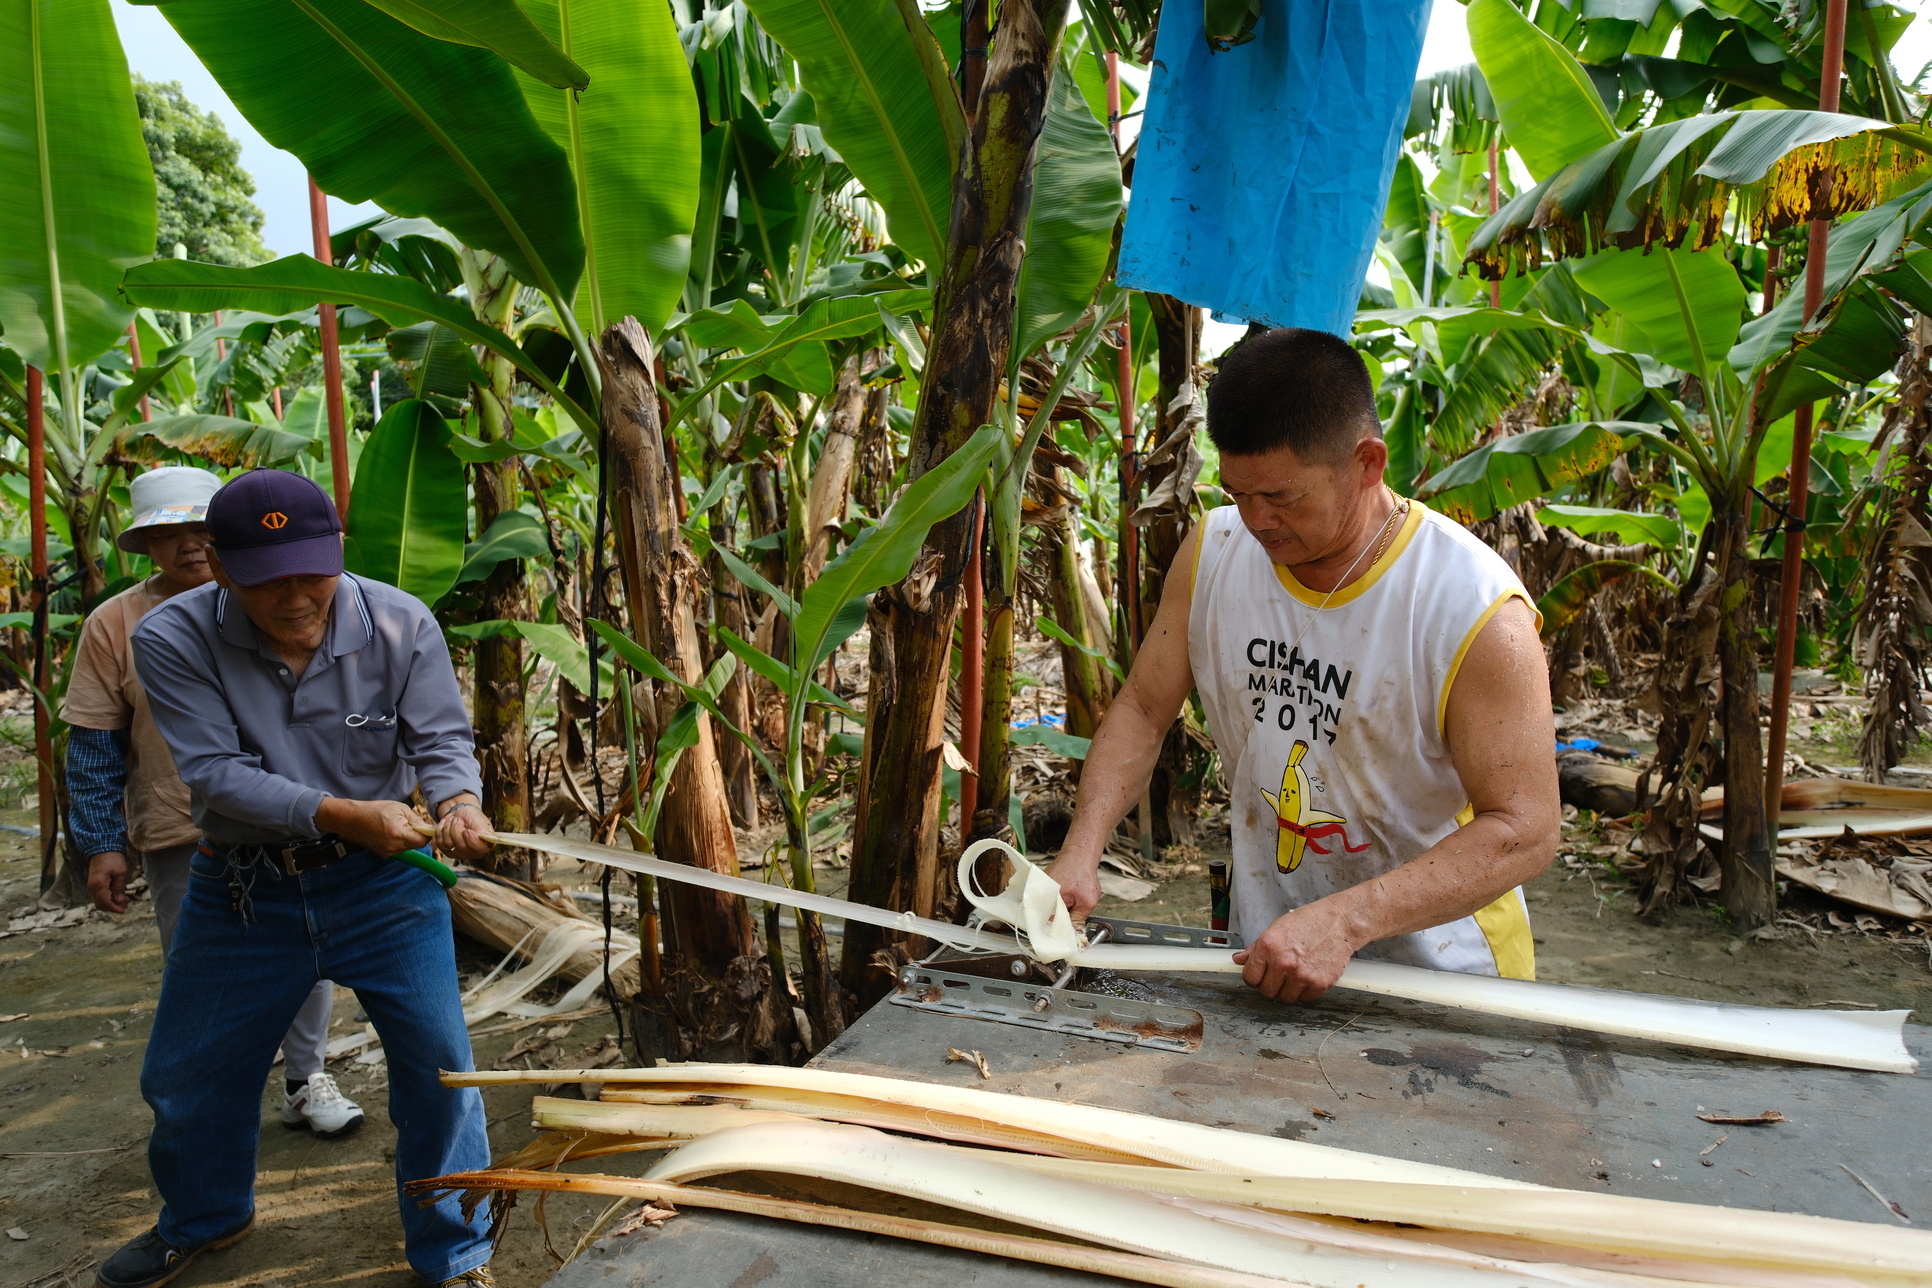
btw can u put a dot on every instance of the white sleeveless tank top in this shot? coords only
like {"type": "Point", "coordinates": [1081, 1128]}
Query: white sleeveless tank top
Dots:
{"type": "Point", "coordinates": [1333, 748]}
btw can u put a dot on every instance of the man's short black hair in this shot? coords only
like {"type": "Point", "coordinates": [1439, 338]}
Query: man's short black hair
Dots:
{"type": "Point", "coordinates": [1292, 387]}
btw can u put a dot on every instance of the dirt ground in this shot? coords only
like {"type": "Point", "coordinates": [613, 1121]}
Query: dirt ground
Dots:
{"type": "Point", "coordinates": [76, 1002]}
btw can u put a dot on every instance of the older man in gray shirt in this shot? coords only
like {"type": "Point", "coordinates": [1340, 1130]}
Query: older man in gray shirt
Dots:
{"type": "Point", "coordinates": [303, 708]}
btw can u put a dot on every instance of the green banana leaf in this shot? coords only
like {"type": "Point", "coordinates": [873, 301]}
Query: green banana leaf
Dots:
{"type": "Point", "coordinates": [866, 67]}
{"type": "Point", "coordinates": [1639, 284]}
{"type": "Point", "coordinates": [1549, 106]}
{"type": "Point", "coordinates": [1076, 202]}
{"type": "Point", "coordinates": [884, 554]}
{"type": "Point", "coordinates": [632, 139]}
{"type": "Point", "coordinates": [406, 525]}
{"type": "Point", "coordinates": [1627, 526]}
{"type": "Point", "coordinates": [380, 112]}
{"type": "Point", "coordinates": [443, 363]}
{"type": "Point", "coordinates": [1868, 243]}
{"type": "Point", "coordinates": [496, 25]}
{"type": "Point", "coordinates": [220, 440]}
{"type": "Point", "coordinates": [288, 283]}
{"type": "Point", "coordinates": [838, 318]}
{"type": "Point", "coordinates": [307, 414]}
{"type": "Point", "coordinates": [1523, 467]}
{"type": "Point", "coordinates": [784, 678]}
{"type": "Point", "coordinates": [549, 642]}
{"type": "Point", "coordinates": [1562, 602]}
{"type": "Point", "coordinates": [65, 95]}
{"type": "Point", "coordinates": [514, 535]}
{"type": "Point", "coordinates": [1057, 741]}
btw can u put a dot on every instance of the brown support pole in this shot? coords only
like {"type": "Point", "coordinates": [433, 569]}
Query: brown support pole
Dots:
{"type": "Point", "coordinates": [1794, 526]}
{"type": "Point", "coordinates": [134, 352]}
{"type": "Point", "coordinates": [48, 800]}
{"type": "Point", "coordinates": [972, 665]}
{"type": "Point", "coordinates": [331, 361]}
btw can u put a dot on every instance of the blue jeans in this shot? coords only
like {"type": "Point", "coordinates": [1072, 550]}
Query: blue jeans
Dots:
{"type": "Point", "coordinates": [228, 996]}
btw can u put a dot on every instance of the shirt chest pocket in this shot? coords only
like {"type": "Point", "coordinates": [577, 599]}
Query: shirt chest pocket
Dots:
{"type": "Point", "coordinates": [369, 744]}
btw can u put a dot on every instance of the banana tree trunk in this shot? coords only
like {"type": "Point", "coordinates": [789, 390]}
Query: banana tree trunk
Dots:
{"type": "Point", "coordinates": [716, 977]}
{"type": "Point", "coordinates": [729, 601]}
{"type": "Point", "coordinates": [895, 855]}
{"type": "Point", "coordinates": [1088, 682]}
{"type": "Point", "coordinates": [1748, 891]}
{"type": "Point", "coordinates": [501, 733]}
{"type": "Point", "coordinates": [764, 500]}
{"type": "Point", "coordinates": [1175, 803]}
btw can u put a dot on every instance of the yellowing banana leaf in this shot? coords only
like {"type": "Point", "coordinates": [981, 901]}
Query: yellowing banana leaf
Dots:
{"type": "Point", "coordinates": [1523, 467]}
{"type": "Point", "coordinates": [1572, 594]}
{"type": "Point", "coordinates": [220, 440]}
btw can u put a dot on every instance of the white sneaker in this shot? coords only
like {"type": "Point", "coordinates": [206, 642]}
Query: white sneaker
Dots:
{"type": "Point", "coordinates": [320, 1106]}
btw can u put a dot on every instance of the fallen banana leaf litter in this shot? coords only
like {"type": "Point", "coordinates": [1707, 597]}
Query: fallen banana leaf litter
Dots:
{"type": "Point", "coordinates": [1171, 1202]}
{"type": "Point", "coordinates": [1848, 1039]}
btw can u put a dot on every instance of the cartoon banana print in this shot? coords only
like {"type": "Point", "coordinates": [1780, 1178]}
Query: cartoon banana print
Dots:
{"type": "Point", "coordinates": [1295, 815]}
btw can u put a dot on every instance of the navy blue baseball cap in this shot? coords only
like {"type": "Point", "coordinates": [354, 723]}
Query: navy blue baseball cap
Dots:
{"type": "Point", "coordinates": [271, 523]}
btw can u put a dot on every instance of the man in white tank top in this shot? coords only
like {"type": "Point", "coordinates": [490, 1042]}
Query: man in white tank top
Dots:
{"type": "Point", "coordinates": [1373, 679]}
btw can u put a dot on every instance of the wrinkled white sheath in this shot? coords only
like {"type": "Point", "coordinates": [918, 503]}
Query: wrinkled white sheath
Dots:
{"type": "Point", "coordinates": [1848, 1039]}
{"type": "Point", "coordinates": [1206, 1234]}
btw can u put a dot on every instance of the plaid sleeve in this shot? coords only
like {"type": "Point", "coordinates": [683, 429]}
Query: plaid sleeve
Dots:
{"type": "Point", "coordinates": [96, 784]}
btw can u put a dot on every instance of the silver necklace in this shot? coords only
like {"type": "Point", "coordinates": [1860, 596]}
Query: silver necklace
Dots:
{"type": "Point", "coordinates": [1399, 509]}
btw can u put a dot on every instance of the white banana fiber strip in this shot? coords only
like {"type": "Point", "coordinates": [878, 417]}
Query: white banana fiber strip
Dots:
{"type": "Point", "coordinates": [1847, 1039]}
{"type": "Point", "coordinates": [632, 861]}
{"type": "Point", "coordinates": [976, 1181]}
{"type": "Point", "coordinates": [678, 1115]}
{"type": "Point", "coordinates": [1177, 1144]}
{"type": "Point", "coordinates": [1047, 1252]}
{"type": "Point", "coordinates": [1752, 1245]}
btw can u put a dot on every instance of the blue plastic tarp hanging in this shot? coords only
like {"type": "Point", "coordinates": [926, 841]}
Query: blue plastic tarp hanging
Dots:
{"type": "Point", "coordinates": [1263, 170]}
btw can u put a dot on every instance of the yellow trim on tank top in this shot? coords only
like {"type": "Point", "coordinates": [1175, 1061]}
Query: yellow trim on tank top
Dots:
{"type": "Point", "coordinates": [1462, 650]}
{"type": "Point", "coordinates": [1505, 925]}
{"type": "Point", "coordinates": [1356, 589]}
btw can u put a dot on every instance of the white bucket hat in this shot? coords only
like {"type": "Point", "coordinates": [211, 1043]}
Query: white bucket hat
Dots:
{"type": "Point", "coordinates": [166, 494]}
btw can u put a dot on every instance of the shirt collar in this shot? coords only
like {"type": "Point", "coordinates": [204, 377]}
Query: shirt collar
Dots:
{"type": "Point", "coordinates": [349, 625]}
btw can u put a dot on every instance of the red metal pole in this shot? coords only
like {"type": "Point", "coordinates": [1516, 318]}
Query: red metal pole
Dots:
{"type": "Point", "coordinates": [1495, 204]}
{"type": "Point", "coordinates": [37, 566]}
{"type": "Point", "coordinates": [134, 352]}
{"type": "Point", "coordinates": [1129, 534]}
{"type": "Point", "coordinates": [972, 672]}
{"type": "Point", "coordinates": [331, 361]}
{"type": "Point", "coordinates": [1794, 527]}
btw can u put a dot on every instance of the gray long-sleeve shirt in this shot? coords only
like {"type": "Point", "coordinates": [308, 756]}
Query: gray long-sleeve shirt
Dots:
{"type": "Point", "coordinates": [377, 710]}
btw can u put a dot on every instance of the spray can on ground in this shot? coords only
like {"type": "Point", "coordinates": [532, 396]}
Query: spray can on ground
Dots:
{"type": "Point", "coordinates": [1218, 888]}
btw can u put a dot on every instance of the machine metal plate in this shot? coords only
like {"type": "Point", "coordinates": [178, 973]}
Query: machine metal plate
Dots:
{"type": "Point", "coordinates": [1055, 1010]}
{"type": "Point", "coordinates": [1122, 931]}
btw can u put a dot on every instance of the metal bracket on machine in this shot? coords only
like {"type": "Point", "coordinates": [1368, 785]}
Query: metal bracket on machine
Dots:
{"type": "Point", "coordinates": [1054, 1010]}
{"type": "Point", "coordinates": [1121, 931]}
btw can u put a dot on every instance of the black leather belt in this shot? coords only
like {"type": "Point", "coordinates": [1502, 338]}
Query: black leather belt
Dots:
{"type": "Point", "coordinates": [292, 857]}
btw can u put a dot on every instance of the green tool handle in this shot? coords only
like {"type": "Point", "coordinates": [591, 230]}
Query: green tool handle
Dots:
{"type": "Point", "coordinates": [421, 859]}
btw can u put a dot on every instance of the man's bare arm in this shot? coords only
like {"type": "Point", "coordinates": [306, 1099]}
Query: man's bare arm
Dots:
{"type": "Point", "coordinates": [1128, 742]}
{"type": "Point", "coordinates": [1500, 734]}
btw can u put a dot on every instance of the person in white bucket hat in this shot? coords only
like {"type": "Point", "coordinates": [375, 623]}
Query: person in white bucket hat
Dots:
{"type": "Point", "coordinates": [127, 803]}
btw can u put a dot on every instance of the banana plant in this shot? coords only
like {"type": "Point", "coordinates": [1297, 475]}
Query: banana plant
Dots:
{"type": "Point", "coordinates": [828, 612]}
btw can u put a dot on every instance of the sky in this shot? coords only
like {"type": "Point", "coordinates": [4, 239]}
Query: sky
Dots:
{"type": "Point", "coordinates": [281, 190]}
